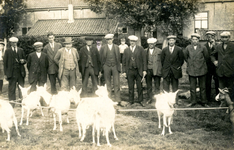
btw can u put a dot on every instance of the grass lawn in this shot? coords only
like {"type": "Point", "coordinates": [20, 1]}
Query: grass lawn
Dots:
{"type": "Point", "coordinates": [192, 130]}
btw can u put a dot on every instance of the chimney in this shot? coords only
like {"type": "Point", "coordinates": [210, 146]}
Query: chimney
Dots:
{"type": "Point", "coordinates": [70, 12]}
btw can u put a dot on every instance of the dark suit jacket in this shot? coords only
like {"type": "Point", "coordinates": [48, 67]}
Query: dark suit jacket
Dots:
{"type": "Point", "coordinates": [140, 59]}
{"type": "Point", "coordinates": [225, 60]}
{"type": "Point", "coordinates": [157, 66]}
{"type": "Point", "coordinates": [196, 60]}
{"type": "Point", "coordinates": [53, 67]}
{"type": "Point", "coordinates": [211, 67]}
{"type": "Point", "coordinates": [95, 59]}
{"type": "Point", "coordinates": [9, 61]}
{"type": "Point", "coordinates": [103, 55]}
{"type": "Point", "coordinates": [172, 61]}
{"type": "Point", "coordinates": [32, 66]}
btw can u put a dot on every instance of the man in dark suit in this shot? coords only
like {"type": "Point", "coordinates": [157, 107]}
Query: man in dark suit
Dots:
{"type": "Point", "coordinates": [51, 49]}
{"type": "Point", "coordinates": [37, 65]}
{"type": "Point", "coordinates": [110, 64]}
{"type": "Point", "coordinates": [154, 68]}
{"type": "Point", "coordinates": [210, 44]}
{"type": "Point", "coordinates": [225, 63]}
{"type": "Point", "coordinates": [196, 56]}
{"type": "Point", "coordinates": [14, 60]}
{"type": "Point", "coordinates": [172, 59]}
{"type": "Point", "coordinates": [89, 65]}
{"type": "Point", "coordinates": [134, 68]}
{"type": "Point", "coordinates": [98, 45]}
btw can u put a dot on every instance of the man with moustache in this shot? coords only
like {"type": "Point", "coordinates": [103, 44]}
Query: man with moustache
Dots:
{"type": "Point", "coordinates": [134, 68]}
{"type": "Point", "coordinates": [225, 63]}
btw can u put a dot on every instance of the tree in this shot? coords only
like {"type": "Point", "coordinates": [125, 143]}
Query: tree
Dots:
{"type": "Point", "coordinates": [169, 16]}
{"type": "Point", "coordinates": [11, 13]}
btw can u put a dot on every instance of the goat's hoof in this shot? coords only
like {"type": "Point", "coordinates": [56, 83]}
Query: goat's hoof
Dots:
{"type": "Point", "coordinates": [162, 134]}
{"type": "Point", "coordinates": [54, 129]}
{"type": "Point", "coordinates": [109, 145]}
{"type": "Point", "coordinates": [98, 145]}
{"type": "Point", "coordinates": [8, 140]}
{"type": "Point", "coordinates": [116, 138]}
{"type": "Point", "coordinates": [170, 132]}
{"type": "Point", "coordinates": [26, 124]}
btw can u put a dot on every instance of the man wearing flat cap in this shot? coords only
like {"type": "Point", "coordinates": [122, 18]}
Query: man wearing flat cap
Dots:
{"type": "Point", "coordinates": [14, 60]}
{"type": "Point", "coordinates": [196, 56]}
{"type": "Point", "coordinates": [67, 59]}
{"type": "Point", "coordinates": [37, 65]}
{"type": "Point", "coordinates": [154, 68]}
{"type": "Point", "coordinates": [225, 63]}
{"type": "Point", "coordinates": [51, 50]}
{"type": "Point", "coordinates": [211, 74]}
{"type": "Point", "coordinates": [134, 68]}
{"type": "Point", "coordinates": [110, 64]}
{"type": "Point", "coordinates": [172, 59]}
{"type": "Point", "coordinates": [89, 65]}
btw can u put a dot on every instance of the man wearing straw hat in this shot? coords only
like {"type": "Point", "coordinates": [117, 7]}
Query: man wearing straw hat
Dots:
{"type": "Point", "coordinates": [210, 46]}
{"type": "Point", "coordinates": [67, 59]}
{"type": "Point", "coordinates": [196, 56]}
{"type": "Point", "coordinates": [37, 65]}
{"type": "Point", "coordinates": [154, 68]}
{"type": "Point", "coordinates": [134, 68]}
{"type": "Point", "coordinates": [225, 63]}
{"type": "Point", "coordinates": [172, 60]}
{"type": "Point", "coordinates": [14, 60]}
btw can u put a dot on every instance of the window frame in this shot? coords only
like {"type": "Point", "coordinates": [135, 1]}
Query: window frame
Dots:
{"type": "Point", "coordinates": [201, 21]}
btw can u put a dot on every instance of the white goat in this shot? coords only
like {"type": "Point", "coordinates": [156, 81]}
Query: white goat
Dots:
{"type": "Point", "coordinates": [30, 102]}
{"type": "Point", "coordinates": [58, 104]}
{"type": "Point", "coordinates": [7, 116]}
{"type": "Point", "coordinates": [164, 105]}
{"type": "Point", "coordinates": [97, 112]}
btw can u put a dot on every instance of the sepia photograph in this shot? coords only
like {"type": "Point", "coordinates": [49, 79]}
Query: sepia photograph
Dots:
{"type": "Point", "coordinates": [117, 74]}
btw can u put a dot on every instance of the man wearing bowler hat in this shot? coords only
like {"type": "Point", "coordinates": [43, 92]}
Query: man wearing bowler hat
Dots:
{"type": "Point", "coordinates": [37, 65]}
{"type": "Point", "coordinates": [172, 59]}
{"type": "Point", "coordinates": [51, 50]}
{"type": "Point", "coordinates": [225, 63]}
{"type": "Point", "coordinates": [196, 56]}
{"type": "Point", "coordinates": [14, 60]}
{"type": "Point", "coordinates": [134, 68]}
{"type": "Point", "coordinates": [89, 65]}
{"type": "Point", "coordinates": [110, 63]}
{"type": "Point", "coordinates": [154, 68]}
{"type": "Point", "coordinates": [67, 59]}
{"type": "Point", "coordinates": [210, 46]}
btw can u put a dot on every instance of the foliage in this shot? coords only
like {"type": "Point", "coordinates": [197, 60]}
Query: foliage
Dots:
{"type": "Point", "coordinates": [26, 42]}
{"type": "Point", "coordinates": [169, 15]}
{"type": "Point", "coordinates": [10, 17]}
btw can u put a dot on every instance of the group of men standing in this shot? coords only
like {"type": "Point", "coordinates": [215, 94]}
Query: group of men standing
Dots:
{"type": "Point", "coordinates": [106, 62]}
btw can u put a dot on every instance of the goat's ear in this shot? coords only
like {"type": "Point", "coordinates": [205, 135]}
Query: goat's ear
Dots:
{"type": "Point", "coordinates": [29, 88]}
{"type": "Point", "coordinates": [165, 91]}
{"type": "Point", "coordinates": [98, 86]}
{"type": "Point", "coordinates": [176, 91]}
{"type": "Point", "coordinates": [220, 90]}
{"type": "Point", "coordinates": [79, 91]}
{"type": "Point", "coordinates": [20, 87]}
{"type": "Point", "coordinates": [45, 85]}
{"type": "Point", "coordinates": [74, 88]}
{"type": "Point", "coordinates": [105, 86]}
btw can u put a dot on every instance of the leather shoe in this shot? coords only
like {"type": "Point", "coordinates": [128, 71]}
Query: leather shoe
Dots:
{"type": "Point", "coordinates": [191, 104]}
{"type": "Point", "coordinates": [141, 104]}
{"type": "Point", "coordinates": [205, 105]}
{"type": "Point", "coordinates": [119, 104]}
{"type": "Point", "coordinates": [130, 103]}
{"type": "Point", "coordinates": [149, 101]}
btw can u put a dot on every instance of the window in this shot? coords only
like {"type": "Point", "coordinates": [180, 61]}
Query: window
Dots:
{"type": "Point", "coordinates": [122, 30]}
{"type": "Point", "coordinates": [201, 21]}
{"type": "Point", "coordinates": [25, 30]}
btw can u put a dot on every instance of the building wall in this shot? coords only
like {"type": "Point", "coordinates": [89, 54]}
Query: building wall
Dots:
{"type": "Point", "coordinates": [220, 17]}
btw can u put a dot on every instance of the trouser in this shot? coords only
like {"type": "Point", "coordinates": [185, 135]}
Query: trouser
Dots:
{"type": "Point", "coordinates": [16, 78]}
{"type": "Point", "coordinates": [52, 78]}
{"type": "Point", "coordinates": [108, 72]}
{"type": "Point", "coordinates": [202, 86]}
{"type": "Point", "coordinates": [133, 76]}
{"type": "Point", "coordinates": [149, 77]}
{"type": "Point", "coordinates": [89, 71]}
{"type": "Point", "coordinates": [101, 81]}
{"type": "Point", "coordinates": [1, 85]}
{"type": "Point", "coordinates": [229, 83]}
{"type": "Point", "coordinates": [209, 76]}
{"type": "Point", "coordinates": [68, 79]}
{"type": "Point", "coordinates": [170, 80]}
{"type": "Point", "coordinates": [38, 82]}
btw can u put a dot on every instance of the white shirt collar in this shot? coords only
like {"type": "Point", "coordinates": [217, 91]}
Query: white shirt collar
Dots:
{"type": "Point", "coordinates": [38, 54]}
{"type": "Point", "coordinates": [110, 46]}
{"type": "Point", "coordinates": [151, 50]}
{"type": "Point", "coordinates": [14, 49]}
{"type": "Point", "coordinates": [68, 50]}
{"type": "Point", "coordinates": [133, 48]}
{"type": "Point", "coordinates": [195, 47]}
{"type": "Point", "coordinates": [52, 45]}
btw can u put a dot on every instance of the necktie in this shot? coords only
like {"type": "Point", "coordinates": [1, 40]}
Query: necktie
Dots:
{"type": "Point", "coordinates": [132, 49]}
